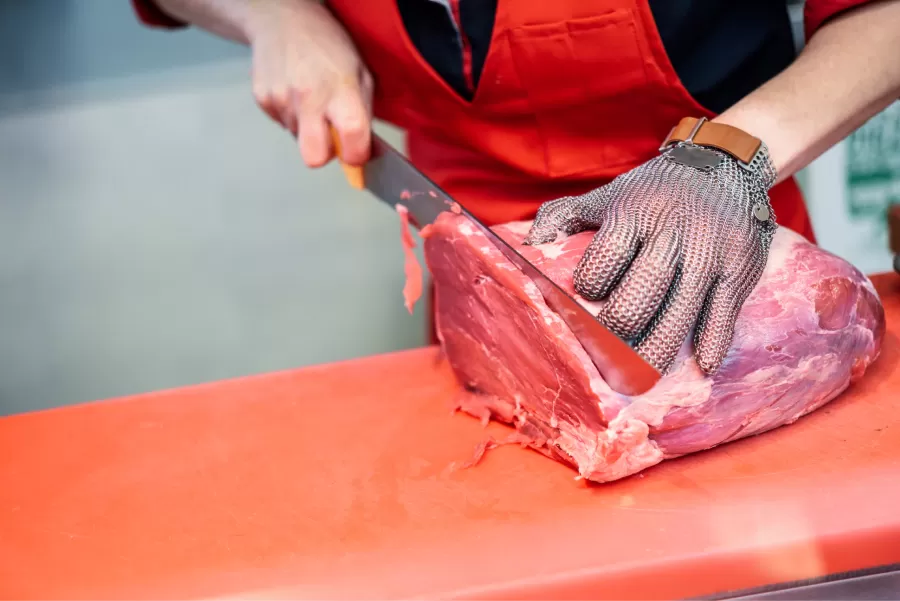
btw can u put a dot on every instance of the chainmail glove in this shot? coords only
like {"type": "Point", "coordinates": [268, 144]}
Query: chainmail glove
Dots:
{"type": "Point", "coordinates": [677, 246]}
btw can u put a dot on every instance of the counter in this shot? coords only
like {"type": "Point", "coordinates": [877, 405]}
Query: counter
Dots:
{"type": "Point", "coordinates": [336, 481]}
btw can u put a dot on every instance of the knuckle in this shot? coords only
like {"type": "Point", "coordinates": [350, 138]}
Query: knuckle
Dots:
{"type": "Point", "coordinates": [657, 268]}
{"type": "Point", "coordinates": [354, 127]}
{"type": "Point", "coordinates": [265, 102]}
{"type": "Point", "coordinates": [541, 213]}
{"type": "Point", "coordinates": [278, 98]}
{"type": "Point", "coordinates": [306, 94]}
{"type": "Point", "coordinates": [311, 96]}
{"type": "Point", "coordinates": [553, 209]}
{"type": "Point", "coordinates": [261, 95]}
{"type": "Point", "coordinates": [366, 79]}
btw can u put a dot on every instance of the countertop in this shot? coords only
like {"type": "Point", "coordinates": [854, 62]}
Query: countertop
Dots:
{"type": "Point", "coordinates": [337, 481]}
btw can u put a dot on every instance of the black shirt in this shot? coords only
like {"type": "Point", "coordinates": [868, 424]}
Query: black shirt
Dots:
{"type": "Point", "coordinates": [744, 42]}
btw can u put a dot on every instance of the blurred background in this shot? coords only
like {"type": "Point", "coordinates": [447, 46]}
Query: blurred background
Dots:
{"type": "Point", "coordinates": [156, 230]}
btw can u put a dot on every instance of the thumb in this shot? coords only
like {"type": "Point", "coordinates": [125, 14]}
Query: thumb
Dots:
{"type": "Point", "coordinates": [569, 215]}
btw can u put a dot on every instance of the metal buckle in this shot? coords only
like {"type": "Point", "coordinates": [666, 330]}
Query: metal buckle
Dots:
{"type": "Point", "coordinates": [667, 141]}
{"type": "Point", "coordinates": [749, 166]}
{"type": "Point", "coordinates": [697, 126]}
{"type": "Point", "coordinates": [695, 156]}
{"type": "Point", "coordinates": [688, 153]}
{"type": "Point", "coordinates": [691, 155]}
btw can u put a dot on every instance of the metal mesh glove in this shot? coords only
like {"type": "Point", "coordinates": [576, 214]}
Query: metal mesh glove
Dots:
{"type": "Point", "coordinates": [677, 245]}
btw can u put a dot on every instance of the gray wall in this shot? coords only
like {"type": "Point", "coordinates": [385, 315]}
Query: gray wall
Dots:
{"type": "Point", "coordinates": [156, 230]}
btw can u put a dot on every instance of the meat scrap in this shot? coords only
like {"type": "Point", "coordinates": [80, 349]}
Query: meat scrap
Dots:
{"type": "Point", "coordinates": [412, 289]}
{"type": "Point", "coordinates": [812, 326]}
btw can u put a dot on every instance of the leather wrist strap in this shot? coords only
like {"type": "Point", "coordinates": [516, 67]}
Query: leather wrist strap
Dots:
{"type": "Point", "coordinates": [737, 143]}
{"type": "Point", "coordinates": [749, 152]}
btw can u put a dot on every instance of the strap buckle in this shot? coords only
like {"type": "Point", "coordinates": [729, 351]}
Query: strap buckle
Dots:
{"type": "Point", "coordinates": [689, 154]}
{"type": "Point", "coordinates": [669, 141]}
{"type": "Point", "coordinates": [742, 147]}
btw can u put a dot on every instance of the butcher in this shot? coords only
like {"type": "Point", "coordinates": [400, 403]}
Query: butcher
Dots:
{"type": "Point", "coordinates": [672, 128]}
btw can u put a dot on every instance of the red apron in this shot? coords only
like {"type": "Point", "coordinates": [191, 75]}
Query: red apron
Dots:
{"type": "Point", "coordinates": [572, 94]}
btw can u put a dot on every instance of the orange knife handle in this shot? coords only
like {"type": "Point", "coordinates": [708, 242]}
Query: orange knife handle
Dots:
{"type": "Point", "coordinates": [353, 173]}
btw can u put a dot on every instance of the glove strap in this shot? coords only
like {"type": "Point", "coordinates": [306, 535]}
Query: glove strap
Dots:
{"type": "Point", "coordinates": [748, 151]}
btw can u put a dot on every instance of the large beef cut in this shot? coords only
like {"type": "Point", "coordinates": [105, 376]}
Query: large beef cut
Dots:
{"type": "Point", "coordinates": [810, 328]}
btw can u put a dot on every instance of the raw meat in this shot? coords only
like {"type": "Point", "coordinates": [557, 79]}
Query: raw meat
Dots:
{"type": "Point", "coordinates": [412, 289]}
{"type": "Point", "coordinates": [810, 328]}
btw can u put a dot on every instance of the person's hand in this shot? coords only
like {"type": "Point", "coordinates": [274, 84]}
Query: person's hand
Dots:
{"type": "Point", "coordinates": [307, 75]}
{"type": "Point", "coordinates": [676, 246]}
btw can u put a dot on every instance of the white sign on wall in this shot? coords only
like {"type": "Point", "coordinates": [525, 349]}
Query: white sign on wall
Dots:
{"type": "Point", "coordinates": [850, 188]}
{"type": "Point", "coordinates": [873, 167]}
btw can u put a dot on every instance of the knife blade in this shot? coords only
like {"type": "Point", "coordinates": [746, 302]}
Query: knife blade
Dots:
{"type": "Point", "coordinates": [391, 178]}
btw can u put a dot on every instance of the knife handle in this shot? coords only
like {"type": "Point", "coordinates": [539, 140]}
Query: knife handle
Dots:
{"type": "Point", "coordinates": [353, 174]}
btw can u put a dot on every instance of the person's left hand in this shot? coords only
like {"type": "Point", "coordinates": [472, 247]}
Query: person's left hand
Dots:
{"type": "Point", "coordinates": [676, 246]}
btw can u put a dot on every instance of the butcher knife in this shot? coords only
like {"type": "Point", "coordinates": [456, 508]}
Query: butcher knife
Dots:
{"type": "Point", "coordinates": [394, 180]}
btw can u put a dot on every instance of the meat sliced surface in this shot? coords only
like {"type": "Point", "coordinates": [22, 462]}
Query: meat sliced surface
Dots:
{"type": "Point", "coordinates": [811, 327]}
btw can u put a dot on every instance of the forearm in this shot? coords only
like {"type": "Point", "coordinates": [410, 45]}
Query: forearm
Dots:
{"type": "Point", "coordinates": [847, 73]}
{"type": "Point", "coordinates": [235, 20]}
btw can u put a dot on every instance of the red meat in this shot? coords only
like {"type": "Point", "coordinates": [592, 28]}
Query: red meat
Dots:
{"type": "Point", "coordinates": [812, 326]}
{"type": "Point", "coordinates": [412, 290]}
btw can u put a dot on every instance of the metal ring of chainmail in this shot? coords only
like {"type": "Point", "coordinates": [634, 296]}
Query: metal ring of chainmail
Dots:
{"type": "Point", "coordinates": [676, 248]}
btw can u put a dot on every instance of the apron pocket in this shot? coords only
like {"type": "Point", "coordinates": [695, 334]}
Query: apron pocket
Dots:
{"type": "Point", "coordinates": [586, 82]}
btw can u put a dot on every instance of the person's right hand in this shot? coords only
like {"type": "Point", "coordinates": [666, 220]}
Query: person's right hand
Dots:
{"type": "Point", "coordinates": [307, 76]}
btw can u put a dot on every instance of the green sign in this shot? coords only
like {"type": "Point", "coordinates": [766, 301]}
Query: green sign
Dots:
{"type": "Point", "coordinates": [873, 166]}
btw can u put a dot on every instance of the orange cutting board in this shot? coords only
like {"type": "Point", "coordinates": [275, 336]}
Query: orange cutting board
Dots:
{"type": "Point", "coordinates": [336, 482]}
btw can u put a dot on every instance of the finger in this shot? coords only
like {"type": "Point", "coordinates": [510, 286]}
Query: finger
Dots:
{"type": "Point", "coordinates": [289, 120]}
{"type": "Point", "coordinates": [637, 298]}
{"type": "Point", "coordinates": [348, 114]}
{"type": "Point", "coordinates": [261, 92]}
{"type": "Point", "coordinates": [606, 258]}
{"type": "Point", "coordinates": [273, 103]}
{"type": "Point", "coordinates": [669, 328]}
{"type": "Point", "coordinates": [269, 108]}
{"type": "Point", "coordinates": [313, 137]}
{"type": "Point", "coordinates": [715, 328]}
{"type": "Point", "coordinates": [568, 215]}
{"type": "Point", "coordinates": [367, 85]}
